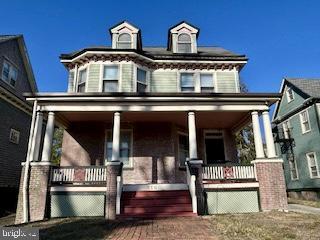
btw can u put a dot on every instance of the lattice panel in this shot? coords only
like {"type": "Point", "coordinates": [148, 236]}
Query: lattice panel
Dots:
{"type": "Point", "coordinates": [77, 204]}
{"type": "Point", "coordinates": [232, 201]}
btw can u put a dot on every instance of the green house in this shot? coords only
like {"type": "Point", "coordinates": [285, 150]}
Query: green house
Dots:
{"type": "Point", "coordinates": [297, 130]}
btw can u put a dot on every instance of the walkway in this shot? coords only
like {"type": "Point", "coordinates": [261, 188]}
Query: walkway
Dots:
{"type": "Point", "coordinates": [303, 209]}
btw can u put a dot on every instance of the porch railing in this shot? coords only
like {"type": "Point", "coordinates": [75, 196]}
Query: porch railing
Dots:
{"type": "Point", "coordinates": [79, 175]}
{"type": "Point", "coordinates": [228, 172]}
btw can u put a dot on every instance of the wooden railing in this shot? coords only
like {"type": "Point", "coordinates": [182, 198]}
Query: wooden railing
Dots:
{"type": "Point", "coordinates": [232, 172]}
{"type": "Point", "coordinates": [79, 175]}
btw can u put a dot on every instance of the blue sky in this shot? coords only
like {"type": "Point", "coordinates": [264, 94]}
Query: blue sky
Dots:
{"type": "Point", "coordinates": [281, 38]}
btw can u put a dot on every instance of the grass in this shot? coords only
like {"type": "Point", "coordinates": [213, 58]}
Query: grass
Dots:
{"type": "Point", "coordinates": [304, 202]}
{"type": "Point", "coordinates": [256, 226]}
{"type": "Point", "coordinates": [265, 226]}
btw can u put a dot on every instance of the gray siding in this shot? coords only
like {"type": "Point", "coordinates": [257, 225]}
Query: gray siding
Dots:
{"type": "Point", "coordinates": [226, 82]}
{"type": "Point", "coordinates": [11, 155]}
{"type": "Point", "coordinates": [127, 78]}
{"type": "Point", "coordinates": [164, 81]}
{"type": "Point", "coordinates": [93, 79]}
{"type": "Point", "coordinates": [70, 81]}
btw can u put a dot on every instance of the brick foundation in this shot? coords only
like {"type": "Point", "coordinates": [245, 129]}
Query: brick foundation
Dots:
{"type": "Point", "coordinates": [113, 170]}
{"type": "Point", "coordinates": [272, 188]}
{"type": "Point", "coordinates": [37, 192]}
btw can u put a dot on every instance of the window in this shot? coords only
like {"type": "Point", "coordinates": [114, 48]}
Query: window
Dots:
{"type": "Point", "coordinates": [184, 43]}
{"type": "Point", "coordinates": [14, 136]}
{"type": "Point", "coordinates": [124, 41]}
{"type": "Point", "coordinates": [9, 73]}
{"type": "Point", "coordinates": [183, 148]}
{"type": "Point", "coordinates": [304, 120]}
{"type": "Point", "coordinates": [286, 129]}
{"type": "Point", "coordinates": [187, 82]}
{"type": "Point", "coordinates": [141, 80]}
{"type": "Point", "coordinates": [125, 147]}
{"type": "Point", "coordinates": [290, 95]}
{"type": "Point", "coordinates": [110, 78]}
{"type": "Point", "coordinates": [82, 80]}
{"type": "Point", "coordinates": [293, 168]}
{"type": "Point", "coordinates": [206, 82]}
{"type": "Point", "coordinates": [313, 165]}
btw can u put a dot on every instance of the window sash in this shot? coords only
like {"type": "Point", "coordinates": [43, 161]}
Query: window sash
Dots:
{"type": "Point", "coordinates": [9, 73]}
{"type": "Point", "coordinates": [125, 146]}
{"type": "Point", "coordinates": [187, 82]}
{"type": "Point", "coordinates": [313, 166]}
{"type": "Point", "coordinates": [290, 94]}
{"type": "Point", "coordinates": [82, 87]}
{"type": "Point", "coordinates": [110, 86]}
{"type": "Point", "coordinates": [304, 119]}
{"type": "Point", "coordinates": [183, 148]}
{"type": "Point", "coordinates": [184, 47]}
{"type": "Point", "coordinates": [206, 82]}
{"type": "Point", "coordinates": [293, 170]}
{"type": "Point", "coordinates": [286, 129]}
{"type": "Point", "coordinates": [82, 76]}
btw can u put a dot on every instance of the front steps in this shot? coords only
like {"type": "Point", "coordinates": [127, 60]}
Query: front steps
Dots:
{"type": "Point", "coordinates": [151, 204]}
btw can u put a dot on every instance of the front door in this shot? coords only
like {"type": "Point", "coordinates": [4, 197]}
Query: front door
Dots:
{"type": "Point", "coordinates": [214, 148]}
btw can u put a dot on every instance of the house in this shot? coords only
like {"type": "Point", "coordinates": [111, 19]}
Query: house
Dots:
{"type": "Point", "coordinates": [297, 129]}
{"type": "Point", "coordinates": [16, 77]}
{"type": "Point", "coordinates": [150, 131]}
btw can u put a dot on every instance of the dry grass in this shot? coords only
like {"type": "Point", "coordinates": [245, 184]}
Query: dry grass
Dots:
{"type": "Point", "coordinates": [305, 202]}
{"type": "Point", "coordinates": [272, 225]}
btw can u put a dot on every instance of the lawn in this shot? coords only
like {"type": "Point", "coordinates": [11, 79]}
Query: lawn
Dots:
{"type": "Point", "coordinates": [257, 226]}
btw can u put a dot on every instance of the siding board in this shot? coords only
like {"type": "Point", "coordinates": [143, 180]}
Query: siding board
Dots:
{"type": "Point", "coordinates": [164, 81]}
{"type": "Point", "coordinates": [127, 78]}
{"type": "Point", "coordinates": [226, 82]}
{"type": "Point", "coordinates": [93, 80]}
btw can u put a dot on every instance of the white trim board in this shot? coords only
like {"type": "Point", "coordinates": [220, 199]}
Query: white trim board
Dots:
{"type": "Point", "coordinates": [77, 189]}
{"type": "Point", "coordinates": [231, 185]}
{"type": "Point", "coordinates": [154, 187]}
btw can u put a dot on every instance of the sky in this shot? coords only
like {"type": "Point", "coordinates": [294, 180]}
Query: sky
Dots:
{"type": "Point", "coordinates": [280, 38]}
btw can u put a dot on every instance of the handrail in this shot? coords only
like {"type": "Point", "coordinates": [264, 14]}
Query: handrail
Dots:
{"type": "Point", "coordinates": [228, 171]}
{"type": "Point", "coordinates": [191, 181]}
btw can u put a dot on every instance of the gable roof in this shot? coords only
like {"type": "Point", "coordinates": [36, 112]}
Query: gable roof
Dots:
{"type": "Point", "coordinates": [25, 57]}
{"type": "Point", "coordinates": [310, 87]}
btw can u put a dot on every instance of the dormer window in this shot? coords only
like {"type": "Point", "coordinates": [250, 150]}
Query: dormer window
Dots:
{"type": "Point", "coordinates": [124, 41]}
{"type": "Point", "coordinates": [184, 43]}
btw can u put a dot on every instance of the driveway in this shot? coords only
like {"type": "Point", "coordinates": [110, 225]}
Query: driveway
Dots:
{"type": "Point", "coordinates": [303, 209]}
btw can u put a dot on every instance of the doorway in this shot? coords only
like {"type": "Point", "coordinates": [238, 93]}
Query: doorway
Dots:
{"type": "Point", "coordinates": [214, 147]}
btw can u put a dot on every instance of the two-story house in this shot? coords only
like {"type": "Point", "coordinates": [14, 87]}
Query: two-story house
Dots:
{"type": "Point", "coordinates": [297, 129]}
{"type": "Point", "coordinates": [16, 77]}
{"type": "Point", "coordinates": [150, 131]}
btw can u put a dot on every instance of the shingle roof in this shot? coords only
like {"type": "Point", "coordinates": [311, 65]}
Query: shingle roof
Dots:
{"type": "Point", "coordinates": [213, 52]}
{"type": "Point", "coordinates": [310, 86]}
{"type": "Point", "coordinates": [4, 38]}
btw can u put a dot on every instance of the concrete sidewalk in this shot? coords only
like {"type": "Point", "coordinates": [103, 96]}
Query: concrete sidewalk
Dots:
{"type": "Point", "coordinates": [303, 209]}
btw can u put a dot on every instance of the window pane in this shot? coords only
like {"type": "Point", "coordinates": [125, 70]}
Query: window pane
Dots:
{"type": "Point", "coordinates": [124, 37]}
{"type": "Point", "coordinates": [312, 160]}
{"type": "Point", "coordinates": [184, 47]}
{"type": "Point", "coordinates": [206, 80]}
{"type": "Point", "coordinates": [141, 75]}
{"type": "Point", "coordinates": [82, 88]}
{"type": "Point", "coordinates": [187, 82]}
{"type": "Point", "coordinates": [123, 45]}
{"type": "Point", "coordinates": [5, 71]}
{"type": "Point", "coordinates": [110, 86]}
{"type": "Point", "coordinates": [82, 76]}
{"type": "Point", "coordinates": [184, 37]}
{"type": "Point", "coordinates": [110, 73]}
{"type": "Point", "coordinates": [141, 87]}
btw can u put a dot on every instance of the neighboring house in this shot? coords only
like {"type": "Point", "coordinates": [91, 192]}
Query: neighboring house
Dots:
{"type": "Point", "coordinates": [16, 77]}
{"type": "Point", "coordinates": [298, 135]}
{"type": "Point", "coordinates": [151, 109]}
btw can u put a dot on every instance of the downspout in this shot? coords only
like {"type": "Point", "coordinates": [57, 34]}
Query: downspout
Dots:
{"type": "Point", "coordinates": [27, 166]}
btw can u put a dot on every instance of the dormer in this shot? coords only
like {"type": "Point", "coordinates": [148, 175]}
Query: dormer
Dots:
{"type": "Point", "coordinates": [125, 36]}
{"type": "Point", "coordinates": [183, 38]}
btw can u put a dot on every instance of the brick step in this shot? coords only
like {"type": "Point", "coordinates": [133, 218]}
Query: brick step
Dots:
{"type": "Point", "coordinates": [156, 194]}
{"type": "Point", "coordinates": [157, 209]}
{"type": "Point", "coordinates": [157, 215]}
{"type": "Point", "coordinates": [155, 201]}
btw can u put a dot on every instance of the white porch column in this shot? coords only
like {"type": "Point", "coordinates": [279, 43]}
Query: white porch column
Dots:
{"type": "Point", "coordinates": [271, 150]}
{"type": "Point", "coordinates": [193, 154]}
{"type": "Point", "coordinates": [38, 132]}
{"type": "Point", "coordinates": [257, 135]}
{"type": "Point", "coordinates": [47, 145]}
{"type": "Point", "coordinates": [116, 137]}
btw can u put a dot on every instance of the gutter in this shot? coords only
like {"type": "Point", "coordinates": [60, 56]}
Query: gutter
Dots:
{"type": "Point", "coordinates": [25, 203]}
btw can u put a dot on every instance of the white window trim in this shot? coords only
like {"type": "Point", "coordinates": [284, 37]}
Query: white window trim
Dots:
{"type": "Point", "coordinates": [85, 67]}
{"type": "Point", "coordinates": [316, 164]}
{"type": "Point", "coordinates": [191, 42]}
{"type": "Point", "coordinates": [205, 131]}
{"type": "Point", "coordinates": [148, 76]}
{"type": "Point", "coordinates": [296, 168]}
{"type": "Point", "coordinates": [186, 135]}
{"type": "Point", "coordinates": [288, 96]}
{"type": "Point", "coordinates": [109, 132]}
{"type": "Point", "coordinates": [288, 125]}
{"type": "Point", "coordinates": [124, 32]}
{"type": "Point", "coordinates": [301, 124]}
{"type": "Point", "coordinates": [110, 64]}
{"type": "Point", "coordinates": [11, 65]}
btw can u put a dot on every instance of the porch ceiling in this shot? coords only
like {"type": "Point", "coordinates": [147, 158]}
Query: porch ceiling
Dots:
{"type": "Point", "coordinates": [204, 119]}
